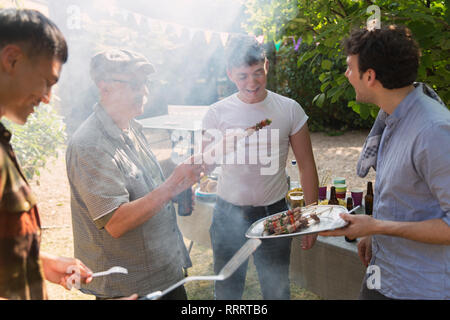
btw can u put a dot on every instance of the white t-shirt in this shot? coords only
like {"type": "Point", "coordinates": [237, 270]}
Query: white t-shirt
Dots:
{"type": "Point", "coordinates": [256, 177]}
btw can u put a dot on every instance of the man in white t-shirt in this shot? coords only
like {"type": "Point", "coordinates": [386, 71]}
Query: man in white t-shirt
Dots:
{"type": "Point", "coordinates": [253, 181]}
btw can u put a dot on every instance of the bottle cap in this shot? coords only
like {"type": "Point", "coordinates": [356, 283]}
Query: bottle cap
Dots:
{"type": "Point", "coordinates": [293, 162]}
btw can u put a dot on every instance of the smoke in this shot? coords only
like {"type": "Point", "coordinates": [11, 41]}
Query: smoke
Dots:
{"type": "Point", "coordinates": [182, 38]}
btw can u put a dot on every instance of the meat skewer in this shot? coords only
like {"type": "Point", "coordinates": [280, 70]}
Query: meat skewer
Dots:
{"type": "Point", "coordinates": [292, 221]}
{"type": "Point", "coordinates": [258, 126]}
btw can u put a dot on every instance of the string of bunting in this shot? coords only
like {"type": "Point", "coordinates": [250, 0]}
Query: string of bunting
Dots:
{"type": "Point", "coordinates": [161, 26]}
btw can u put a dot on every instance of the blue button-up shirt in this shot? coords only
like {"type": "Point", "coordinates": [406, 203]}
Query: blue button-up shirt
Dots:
{"type": "Point", "coordinates": [413, 184]}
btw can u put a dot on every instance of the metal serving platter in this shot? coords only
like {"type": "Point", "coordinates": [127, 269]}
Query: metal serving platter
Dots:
{"type": "Point", "coordinates": [329, 220]}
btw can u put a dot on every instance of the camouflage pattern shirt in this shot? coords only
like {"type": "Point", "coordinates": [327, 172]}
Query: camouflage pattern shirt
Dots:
{"type": "Point", "coordinates": [21, 272]}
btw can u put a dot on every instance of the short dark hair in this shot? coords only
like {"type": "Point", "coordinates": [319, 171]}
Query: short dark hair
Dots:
{"type": "Point", "coordinates": [36, 33]}
{"type": "Point", "coordinates": [390, 51]}
{"type": "Point", "coordinates": [244, 51]}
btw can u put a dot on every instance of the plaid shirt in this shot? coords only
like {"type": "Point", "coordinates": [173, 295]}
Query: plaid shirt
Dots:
{"type": "Point", "coordinates": [21, 272]}
{"type": "Point", "coordinates": [108, 167]}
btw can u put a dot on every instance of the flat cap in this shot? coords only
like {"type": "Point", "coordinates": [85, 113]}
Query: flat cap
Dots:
{"type": "Point", "coordinates": [119, 61]}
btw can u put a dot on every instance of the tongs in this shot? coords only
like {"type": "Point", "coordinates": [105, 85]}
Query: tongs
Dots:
{"type": "Point", "coordinates": [244, 252]}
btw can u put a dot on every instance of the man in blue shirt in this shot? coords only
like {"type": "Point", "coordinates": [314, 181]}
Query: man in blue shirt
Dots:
{"type": "Point", "coordinates": [408, 238]}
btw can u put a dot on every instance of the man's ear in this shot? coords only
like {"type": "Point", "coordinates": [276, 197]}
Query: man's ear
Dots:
{"type": "Point", "coordinates": [266, 65]}
{"type": "Point", "coordinates": [102, 86]}
{"type": "Point", "coordinates": [229, 74]}
{"type": "Point", "coordinates": [9, 56]}
{"type": "Point", "coordinates": [371, 77]}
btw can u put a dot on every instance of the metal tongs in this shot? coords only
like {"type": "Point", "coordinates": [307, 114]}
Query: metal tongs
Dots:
{"type": "Point", "coordinates": [244, 252]}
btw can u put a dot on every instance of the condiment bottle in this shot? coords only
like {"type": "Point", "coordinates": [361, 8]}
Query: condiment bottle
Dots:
{"type": "Point", "coordinates": [333, 198]}
{"type": "Point", "coordinates": [368, 199]}
{"type": "Point", "coordinates": [350, 207]}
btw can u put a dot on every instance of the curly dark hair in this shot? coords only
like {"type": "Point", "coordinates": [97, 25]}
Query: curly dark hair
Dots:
{"type": "Point", "coordinates": [390, 51]}
{"type": "Point", "coordinates": [244, 51]}
{"type": "Point", "coordinates": [35, 32]}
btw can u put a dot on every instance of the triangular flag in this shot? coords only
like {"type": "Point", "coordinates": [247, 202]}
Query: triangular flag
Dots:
{"type": "Point", "coordinates": [278, 44]}
{"type": "Point", "coordinates": [163, 26]}
{"type": "Point", "coordinates": [178, 29]}
{"type": "Point", "coordinates": [190, 33]}
{"type": "Point", "coordinates": [208, 36]}
{"type": "Point", "coordinates": [124, 14]}
{"type": "Point", "coordinates": [224, 38]}
{"type": "Point", "coordinates": [297, 45]}
{"type": "Point", "coordinates": [155, 26]}
{"type": "Point", "coordinates": [112, 11]}
{"type": "Point", "coordinates": [137, 18]}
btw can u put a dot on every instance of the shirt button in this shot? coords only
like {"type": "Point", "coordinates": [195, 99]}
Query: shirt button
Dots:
{"type": "Point", "coordinates": [26, 206]}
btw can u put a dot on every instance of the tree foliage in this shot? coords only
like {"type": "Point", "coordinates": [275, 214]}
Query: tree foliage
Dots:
{"type": "Point", "coordinates": [323, 25]}
{"type": "Point", "coordinates": [38, 140]}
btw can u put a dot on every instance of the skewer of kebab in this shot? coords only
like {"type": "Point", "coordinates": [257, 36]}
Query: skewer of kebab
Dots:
{"type": "Point", "coordinates": [258, 126]}
{"type": "Point", "coordinates": [280, 225]}
{"type": "Point", "coordinates": [238, 134]}
{"type": "Point", "coordinates": [285, 218]}
{"type": "Point", "coordinates": [301, 223]}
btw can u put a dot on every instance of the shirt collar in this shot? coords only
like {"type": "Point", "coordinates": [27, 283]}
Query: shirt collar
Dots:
{"type": "Point", "coordinates": [403, 108]}
{"type": "Point", "coordinates": [110, 126]}
{"type": "Point", "coordinates": [5, 135]}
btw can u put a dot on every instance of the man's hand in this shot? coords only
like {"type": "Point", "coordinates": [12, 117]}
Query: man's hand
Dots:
{"type": "Point", "coordinates": [308, 241]}
{"type": "Point", "coordinates": [365, 250]}
{"type": "Point", "coordinates": [358, 226]}
{"type": "Point", "coordinates": [184, 176]}
{"type": "Point", "coordinates": [65, 271]}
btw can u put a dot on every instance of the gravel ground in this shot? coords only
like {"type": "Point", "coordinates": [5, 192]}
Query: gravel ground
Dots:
{"type": "Point", "coordinates": [338, 154]}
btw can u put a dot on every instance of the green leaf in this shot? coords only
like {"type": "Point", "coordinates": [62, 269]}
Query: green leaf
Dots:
{"type": "Point", "coordinates": [327, 64]}
{"type": "Point", "coordinates": [364, 111]}
{"type": "Point", "coordinates": [323, 76]}
{"type": "Point", "coordinates": [355, 106]}
{"type": "Point", "coordinates": [324, 86]}
{"type": "Point", "coordinates": [319, 100]}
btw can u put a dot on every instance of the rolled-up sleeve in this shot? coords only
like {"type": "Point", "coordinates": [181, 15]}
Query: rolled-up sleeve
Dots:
{"type": "Point", "coordinates": [96, 181]}
{"type": "Point", "coordinates": [432, 156]}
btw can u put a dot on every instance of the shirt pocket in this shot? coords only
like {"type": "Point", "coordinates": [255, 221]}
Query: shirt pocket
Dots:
{"type": "Point", "coordinates": [136, 184]}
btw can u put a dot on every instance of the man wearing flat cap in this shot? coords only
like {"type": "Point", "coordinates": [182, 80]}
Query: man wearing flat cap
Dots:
{"type": "Point", "coordinates": [122, 211]}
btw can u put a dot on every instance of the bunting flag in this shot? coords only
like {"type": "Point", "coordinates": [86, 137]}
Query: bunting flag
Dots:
{"type": "Point", "coordinates": [278, 45]}
{"type": "Point", "coordinates": [155, 26]}
{"type": "Point", "coordinates": [224, 38]}
{"type": "Point", "coordinates": [297, 45]}
{"type": "Point", "coordinates": [260, 39]}
{"type": "Point", "coordinates": [160, 26]}
{"type": "Point", "coordinates": [137, 18]}
{"type": "Point", "coordinates": [178, 30]}
{"type": "Point", "coordinates": [208, 36]}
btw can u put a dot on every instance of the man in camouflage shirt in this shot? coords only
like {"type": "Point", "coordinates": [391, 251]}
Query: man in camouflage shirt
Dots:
{"type": "Point", "coordinates": [32, 52]}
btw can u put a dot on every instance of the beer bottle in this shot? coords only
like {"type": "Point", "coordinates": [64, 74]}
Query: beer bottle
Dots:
{"type": "Point", "coordinates": [185, 203]}
{"type": "Point", "coordinates": [333, 198]}
{"type": "Point", "coordinates": [368, 199]}
{"type": "Point", "coordinates": [350, 207]}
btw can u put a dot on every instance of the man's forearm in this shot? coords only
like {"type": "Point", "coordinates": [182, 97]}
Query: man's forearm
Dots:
{"type": "Point", "coordinates": [434, 231]}
{"type": "Point", "coordinates": [310, 185]}
{"type": "Point", "coordinates": [133, 214]}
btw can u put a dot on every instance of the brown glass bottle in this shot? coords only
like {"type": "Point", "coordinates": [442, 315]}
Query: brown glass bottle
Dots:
{"type": "Point", "coordinates": [350, 207]}
{"type": "Point", "coordinates": [333, 198]}
{"type": "Point", "coordinates": [368, 199]}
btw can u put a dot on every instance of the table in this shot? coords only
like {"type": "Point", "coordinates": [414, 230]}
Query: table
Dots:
{"type": "Point", "coordinates": [181, 128]}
